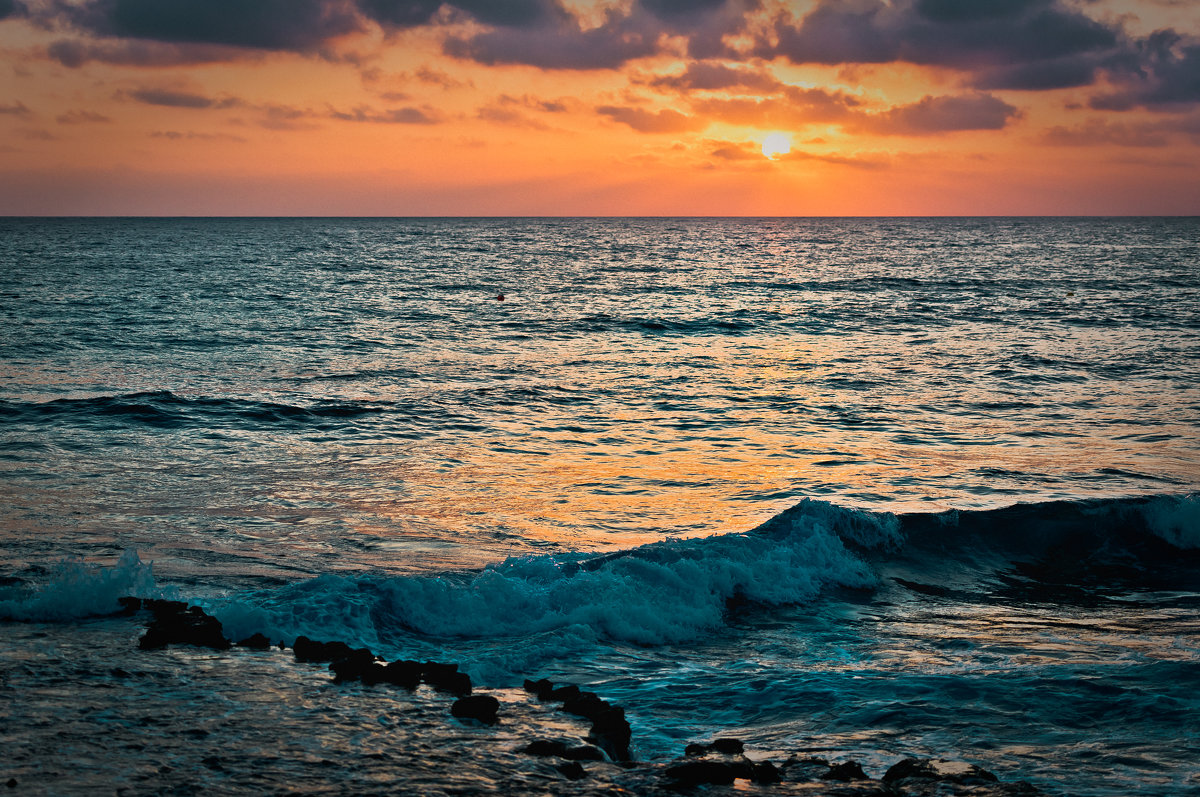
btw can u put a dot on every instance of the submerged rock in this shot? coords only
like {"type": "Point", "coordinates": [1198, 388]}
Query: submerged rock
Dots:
{"type": "Point", "coordinates": [845, 771]}
{"type": "Point", "coordinates": [446, 678]}
{"type": "Point", "coordinates": [176, 623]}
{"type": "Point", "coordinates": [255, 642]}
{"type": "Point", "coordinates": [938, 770]}
{"type": "Point", "coordinates": [477, 707]}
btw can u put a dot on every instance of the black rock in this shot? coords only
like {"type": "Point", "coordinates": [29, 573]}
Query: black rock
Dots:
{"type": "Point", "coordinates": [540, 688]}
{"type": "Point", "coordinates": [176, 623]}
{"type": "Point", "coordinates": [565, 693]}
{"type": "Point", "coordinates": [585, 704]}
{"type": "Point", "coordinates": [546, 747]}
{"type": "Point", "coordinates": [765, 772]}
{"type": "Point", "coordinates": [694, 773]}
{"type": "Point", "coordinates": [583, 752]}
{"type": "Point", "coordinates": [404, 673]}
{"type": "Point", "coordinates": [939, 771]}
{"type": "Point", "coordinates": [11, 783]}
{"type": "Point", "coordinates": [354, 665]}
{"type": "Point", "coordinates": [611, 733]}
{"type": "Point", "coordinates": [724, 746]}
{"type": "Point", "coordinates": [571, 770]}
{"type": "Point", "coordinates": [476, 707]}
{"type": "Point", "coordinates": [256, 642]}
{"type": "Point", "coordinates": [845, 772]}
{"type": "Point", "coordinates": [446, 678]}
{"type": "Point", "coordinates": [130, 606]}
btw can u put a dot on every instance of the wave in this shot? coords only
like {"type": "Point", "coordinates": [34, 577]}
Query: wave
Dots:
{"type": "Point", "coordinates": [164, 409]}
{"type": "Point", "coordinates": [678, 590]}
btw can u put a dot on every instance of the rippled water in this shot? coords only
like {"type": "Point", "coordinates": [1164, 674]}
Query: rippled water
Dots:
{"type": "Point", "coordinates": [328, 427]}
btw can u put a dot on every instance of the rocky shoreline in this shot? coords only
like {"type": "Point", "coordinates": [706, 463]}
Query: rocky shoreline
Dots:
{"type": "Point", "coordinates": [608, 740]}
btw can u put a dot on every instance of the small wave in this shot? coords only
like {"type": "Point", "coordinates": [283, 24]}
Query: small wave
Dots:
{"type": "Point", "coordinates": [77, 589]}
{"type": "Point", "coordinates": [164, 409]}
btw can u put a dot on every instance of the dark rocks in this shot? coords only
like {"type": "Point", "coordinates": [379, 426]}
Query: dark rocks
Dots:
{"type": "Point", "coordinates": [355, 665]}
{"type": "Point", "coordinates": [724, 746]}
{"type": "Point", "coordinates": [845, 772]}
{"type": "Point", "coordinates": [559, 749]}
{"type": "Point", "coordinates": [611, 733]}
{"type": "Point", "coordinates": [565, 693]}
{"type": "Point", "coordinates": [446, 678]}
{"type": "Point", "coordinates": [572, 770]}
{"type": "Point", "coordinates": [403, 673]}
{"type": "Point", "coordinates": [540, 688]}
{"type": "Point", "coordinates": [310, 650]}
{"type": "Point", "coordinates": [176, 623]}
{"type": "Point", "coordinates": [477, 707]}
{"type": "Point", "coordinates": [695, 773]}
{"type": "Point", "coordinates": [904, 772]}
{"type": "Point", "coordinates": [11, 783]}
{"type": "Point", "coordinates": [255, 642]}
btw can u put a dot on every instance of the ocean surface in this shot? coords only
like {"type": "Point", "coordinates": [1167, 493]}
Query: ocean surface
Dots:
{"type": "Point", "coordinates": [860, 488]}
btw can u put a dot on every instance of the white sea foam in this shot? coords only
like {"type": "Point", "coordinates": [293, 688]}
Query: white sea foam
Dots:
{"type": "Point", "coordinates": [77, 589]}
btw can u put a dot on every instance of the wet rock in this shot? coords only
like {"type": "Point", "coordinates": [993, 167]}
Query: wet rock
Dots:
{"type": "Point", "coordinates": [572, 770]}
{"type": "Point", "coordinates": [765, 772]}
{"type": "Point", "coordinates": [403, 672]}
{"type": "Point", "coordinates": [446, 678]}
{"type": "Point", "coordinates": [355, 665]}
{"type": "Point", "coordinates": [546, 747]}
{"type": "Point", "coordinates": [560, 749]}
{"type": "Point", "coordinates": [255, 642]}
{"type": "Point", "coordinates": [910, 770]}
{"type": "Point", "coordinates": [11, 783]}
{"type": "Point", "coordinates": [611, 733]}
{"type": "Point", "coordinates": [565, 693]}
{"type": "Point", "coordinates": [845, 772]}
{"type": "Point", "coordinates": [310, 650]}
{"type": "Point", "coordinates": [697, 772]}
{"type": "Point", "coordinates": [724, 746]}
{"type": "Point", "coordinates": [587, 705]}
{"type": "Point", "coordinates": [477, 707]}
{"type": "Point", "coordinates": [176, 623]}
{"type": "Point", "coordinates": [540, 688]}
{"type": "Point", "coordinates": [129, 605]}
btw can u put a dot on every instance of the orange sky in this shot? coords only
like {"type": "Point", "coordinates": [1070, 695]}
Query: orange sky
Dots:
{"type": "Point", "coordinates": [638, 107]}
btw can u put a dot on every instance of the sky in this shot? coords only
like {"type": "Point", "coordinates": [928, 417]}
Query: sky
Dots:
{"type": "Point", "coordinates": [580, 108]}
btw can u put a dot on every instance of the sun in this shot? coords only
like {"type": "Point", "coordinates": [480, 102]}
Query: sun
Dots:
{"type": "Point", "coordinates": [774, 144]}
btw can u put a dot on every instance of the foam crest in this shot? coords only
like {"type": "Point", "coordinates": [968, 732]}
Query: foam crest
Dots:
{"type": "Point", "coordinates": [78, 589]}
{"type": "Point", "coordinates": [666, 592]}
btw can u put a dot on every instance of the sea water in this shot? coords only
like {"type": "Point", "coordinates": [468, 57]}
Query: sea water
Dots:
{"type": "Point", "coordinates": [861, 488]}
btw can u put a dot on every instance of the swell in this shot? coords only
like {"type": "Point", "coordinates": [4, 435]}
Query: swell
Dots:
{"type": "Point", "coordinates": [679, 590]}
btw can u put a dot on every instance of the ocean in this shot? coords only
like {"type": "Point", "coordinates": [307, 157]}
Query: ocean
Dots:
{"type": "Point", "coordinates": [856, 488]}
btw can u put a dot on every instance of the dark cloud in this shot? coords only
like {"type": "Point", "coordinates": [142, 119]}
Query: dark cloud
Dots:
{"type": "Point", "coordinates": [513, 13]}
{"type": "Point", "coordinates": [400, 13]}
{"type": "Point", "coordinates": [1098, 133]}
{"type": "Point", "coordinates": [1062, 73]}
{"type": "Point", "coordinates": [74, 53]}
{"type": "Point", "coordinates": [17, 108]}
{"type": "Point", "coordinates": [81, 117]}
{"type": "Point", "coordinates": [710, 76]}
{"type": "Point", "coordinates": [171, 98]}
{"type": "Point", "coordinates": [9, 8]}
{"type": "Point", "coordinates": [301, 25]}
{"type": "Point", "coordinates": [176, 135]}
{"type": "Point", "coordinates": [933, 115]}
{"type": "Point", "coordinates": [644, 121]}
{"type": "Point", "coordinates": [561, 44]}
{"type": "Point", "coordinates": [1163, 73]}
{"type": "Point", "coordinates": [394, 116]}
{"type": "Point", "coordinates": [731, 151]}
{"type": "Point", "coordinates": [978, 35]}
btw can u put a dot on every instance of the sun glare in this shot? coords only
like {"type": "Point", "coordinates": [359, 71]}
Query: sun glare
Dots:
{"type": "Point", "coordinates": [776, 144]}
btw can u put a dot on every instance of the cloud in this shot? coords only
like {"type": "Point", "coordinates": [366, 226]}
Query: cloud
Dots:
{"type": "Point", "coordinates": [171, 98]}
{"type": "Point", "coordinates": [932, 115]}
{"type": "Point", "coordinates": [17, 108]}
{"type": "Point", "coordinates": [1162, 74]}
{"type": "Point", "coordinates": [81, 117]}
{"type": "Point", "coordinates": [643, 121]}
{"type": "Point", "coordinates": [298, 25]}
{"type": "Point", "coordinates": [401, 116]}
{"type": "Point", "coordinates": [794, 107]}
{"type": "Point", "coordinates": [711, 76]}
{"type": "Point", "coordinates": [74, 53]}
{"type": "Point", "coordinates": [9, 8]}
{"type": "Point", "coordinates": [559, 44]}
{"type": "Point", "coordinates": [1097, 132]}
{"type": "Point", "coordinates": [175, 135]}
{"type": "Point", "coordinates": [995, 38]}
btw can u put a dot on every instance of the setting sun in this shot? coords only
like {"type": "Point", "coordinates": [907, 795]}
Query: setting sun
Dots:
{"type": "Point", "coordinates": [776, 144]}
